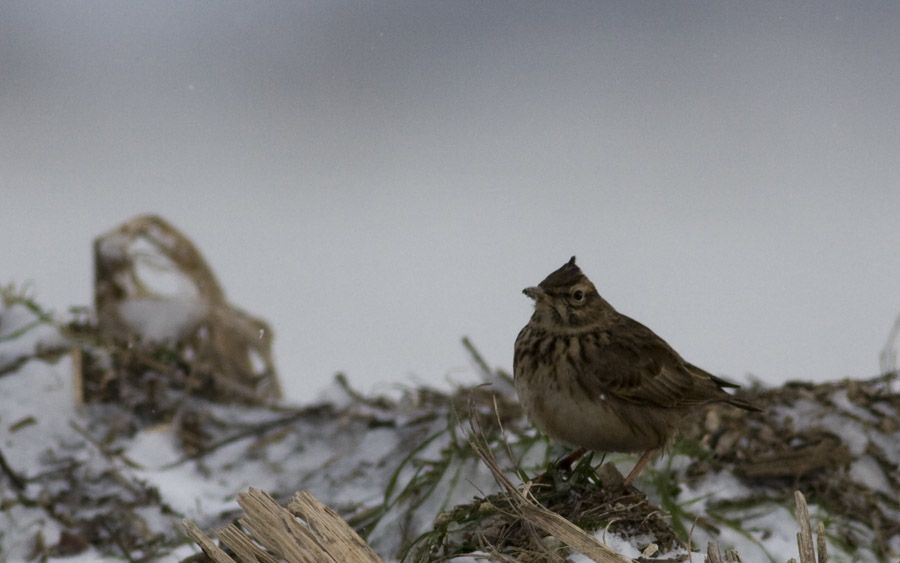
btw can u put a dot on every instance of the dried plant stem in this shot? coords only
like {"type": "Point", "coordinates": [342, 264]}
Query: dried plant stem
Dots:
{"type": "Point", "coordinates": [306, 531]}
{"type": "Point", "coordinates": [804, 536]}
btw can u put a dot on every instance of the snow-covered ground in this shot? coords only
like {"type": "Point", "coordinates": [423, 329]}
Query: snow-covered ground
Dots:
{"type": "Point", "coordinates": [70, 466]}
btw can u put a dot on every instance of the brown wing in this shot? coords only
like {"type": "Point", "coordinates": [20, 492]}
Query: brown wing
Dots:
{"type": "Point", "coordinates": [631, 363]}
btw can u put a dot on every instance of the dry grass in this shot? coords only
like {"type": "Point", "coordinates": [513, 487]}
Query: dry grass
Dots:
{"type": "Point", "coordinates": [225, 353]}
{"type": "Point", "coordinates": [306, 531]}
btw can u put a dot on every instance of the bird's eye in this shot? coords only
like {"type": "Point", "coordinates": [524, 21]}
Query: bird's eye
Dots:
{"type": "Point", "coordinates": [578, 295]}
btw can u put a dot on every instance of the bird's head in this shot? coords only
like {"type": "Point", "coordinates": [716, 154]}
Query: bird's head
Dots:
{"type": "Point", "coordinates": [567, 300]}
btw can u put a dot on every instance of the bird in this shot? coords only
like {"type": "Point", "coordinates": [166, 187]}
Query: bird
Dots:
{"type": "Point", "coordinates": [594, 379]}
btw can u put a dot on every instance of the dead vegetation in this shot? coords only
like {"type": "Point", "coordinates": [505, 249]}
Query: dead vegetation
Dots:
{"type": "Point", "coordinates": [837, 442]}
{"type": "Point", "coordinates": [305, 531]}
{"type": "Point", "coordinates": [407, 473]}
{"type": "Point", "coordinates": [220, 352]}
{"type": "Point", "coordinates": [545, 517]}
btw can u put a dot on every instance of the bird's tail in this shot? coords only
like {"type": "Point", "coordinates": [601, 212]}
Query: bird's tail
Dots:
{"type": "Point", "coordinates": [723, 384]}
{"type": "Point", "coordinates": [742, 404]}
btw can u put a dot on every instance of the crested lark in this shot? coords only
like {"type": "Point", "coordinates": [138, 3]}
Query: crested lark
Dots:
{"type": "Point", "coordinates": [590, 377]}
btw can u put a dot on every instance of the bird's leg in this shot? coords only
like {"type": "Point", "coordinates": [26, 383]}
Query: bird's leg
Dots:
{"type": "Point", "coordinates": [639, 466]}
{"type": "Point", "coordinates": [565, 464]}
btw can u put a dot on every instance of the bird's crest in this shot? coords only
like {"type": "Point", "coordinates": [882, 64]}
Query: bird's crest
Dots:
{"type": "Point", "coordinates": [566, 276]}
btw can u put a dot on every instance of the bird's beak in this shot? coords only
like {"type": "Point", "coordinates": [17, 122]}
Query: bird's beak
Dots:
{"type": "Point", "coordinates": [533, 292]}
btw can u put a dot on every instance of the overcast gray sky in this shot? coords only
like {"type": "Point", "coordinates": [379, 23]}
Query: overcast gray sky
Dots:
{"type": "Point", "coordinates": [379, 179]}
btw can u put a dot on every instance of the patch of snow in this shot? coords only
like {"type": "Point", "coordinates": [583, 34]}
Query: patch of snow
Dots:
{"type": "Point", "coordinates": [772, 534]}
{"type": "Point", "coordinates": [866, 471]}
{"type": "Point", "coordinates": [679, 462]}
{"type": "Point", "coordinates": [721, 486]}
{"type": "Point", "coordinates": [18, 526]}
{"type": "Point", "coordinates": [188, 493]}
{"type": "Point", "coordinates": [894, 546]}
{"type": "Point", "coordinates": [626, 546]}
{"type": "Point", "coordinates": [616, 543]}
{"type": "Point", "coordinates": [153, 448]}
{"type": "Point", "coordinates": [41, 397]}
{"type": "Point", "coordinates": [888, 444]}
{"type": "Point", "coordinates": [257, 364]}
{"type": "Point", "coordinates": [90, 555]}
{"type": "Point", "coordinates": [472, 558]}
{"type": "Point", "coordinates": [41, 335]}
{"type": "Point", "coordinates": [853, 434]}
{"type": "Point", "coordinates": [808, 414]}
{"type": "Point", "coordinates": [157, 273]}
{"type": "Point", "coordinates": [163, 319]}
{"type": "Point", "coordinates": [181, 552]}
{"type": "Point", "coordinates": [843, 402]}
